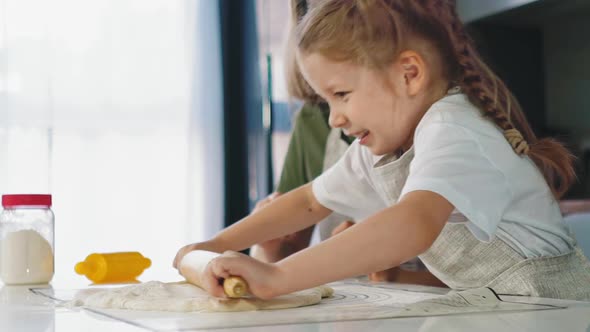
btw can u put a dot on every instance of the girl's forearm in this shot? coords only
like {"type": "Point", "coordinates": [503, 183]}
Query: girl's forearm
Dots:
{"type": "Point", "coordinates": [386, 239]}
{"type": "Point", "coordinates": [287, 214]}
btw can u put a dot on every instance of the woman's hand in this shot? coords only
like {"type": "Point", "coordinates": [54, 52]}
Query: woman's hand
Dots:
{"type": "Point", "coordinates": [267, 200]}
{"type": "Point", "coordinates": [396, 274]}
{"type": "Point", "coordinates": [276, 249]}
{"type": "Point", "coordinates": [387, 275]}
{"type": "Point", "coordinates": [273, 246]}
{"type": "Point", "coordinates": [342, 227]}
{"type": "Point", "coordinates": [263, 279]}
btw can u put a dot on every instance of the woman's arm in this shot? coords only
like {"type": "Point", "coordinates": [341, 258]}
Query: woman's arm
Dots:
{"type": "Point", "coordinates": [396, 273]}
{"type": "Point", "coordinates": [276, 249]}
{"type": "Point", "coordinates": [288, 214]}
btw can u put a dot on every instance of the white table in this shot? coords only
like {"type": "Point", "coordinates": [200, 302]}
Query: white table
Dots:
{"type": "Point", "coordinates": [21, 310]}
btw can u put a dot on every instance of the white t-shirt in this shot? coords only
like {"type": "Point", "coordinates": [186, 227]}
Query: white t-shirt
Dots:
{"type": "Point", "coordinates": [465, 158]}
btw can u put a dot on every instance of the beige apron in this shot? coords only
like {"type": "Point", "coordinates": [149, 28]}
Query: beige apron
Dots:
{"type": "Point", "coordinates": [335, 148]}
{"type": "Point", "coordinates": [461, 261]}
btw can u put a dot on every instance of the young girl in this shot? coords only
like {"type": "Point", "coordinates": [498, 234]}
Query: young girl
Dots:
{"type": "Point", "coordinates": [313, 148]}
{"type": "Point", "coordinates": [440, 140]}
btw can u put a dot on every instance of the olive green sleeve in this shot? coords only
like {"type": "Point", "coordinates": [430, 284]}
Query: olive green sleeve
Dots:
{"type": "Point", "coordinates": [307, 148]}
{"type": "Point", "coordinates": [293, 172]}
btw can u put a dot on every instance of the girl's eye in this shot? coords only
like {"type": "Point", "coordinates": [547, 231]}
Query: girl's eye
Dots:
{"type": "Point", "coordinates": [341, 94]}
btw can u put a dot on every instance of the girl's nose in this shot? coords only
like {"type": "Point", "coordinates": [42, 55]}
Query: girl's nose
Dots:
{"type": "Point", "coordinates": [336, 119]}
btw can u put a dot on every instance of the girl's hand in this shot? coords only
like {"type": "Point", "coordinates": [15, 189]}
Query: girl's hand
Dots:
{"type": "Point", "coordinates": [210, 246]}
{"type": "Point", "coordinates": [264, 279]}
{"type": "Point", "coordinates": [191, 247]}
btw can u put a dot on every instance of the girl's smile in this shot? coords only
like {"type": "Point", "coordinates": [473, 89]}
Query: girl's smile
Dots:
{"type": "Point", "coordinates": [377, 106]}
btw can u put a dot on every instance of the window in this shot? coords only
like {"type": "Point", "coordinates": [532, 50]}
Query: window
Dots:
{"type": "Point", "coordinates": [272, 32]}
{"type": "Point", "coordinates": [114, 107]}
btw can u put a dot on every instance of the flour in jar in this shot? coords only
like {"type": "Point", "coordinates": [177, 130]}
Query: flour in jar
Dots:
{"type": "Point", "coordinates": [25, 258]}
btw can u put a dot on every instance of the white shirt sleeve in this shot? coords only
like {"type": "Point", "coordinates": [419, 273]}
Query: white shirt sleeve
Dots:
{"type": "Point", "coordinates": [346, 187]}
{"type": "Point", "coordinates": [450, 162]}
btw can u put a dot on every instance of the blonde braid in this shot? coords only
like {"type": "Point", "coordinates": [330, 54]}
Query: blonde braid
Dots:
{"type": "Point", "coordinates": [519, 144]}
{"type": "Point", "coordinates": [477, 80]}
{"type": "Point", "coordinates": [372, 32]}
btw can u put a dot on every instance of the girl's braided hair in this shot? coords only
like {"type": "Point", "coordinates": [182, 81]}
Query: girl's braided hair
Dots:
{"type": "Point", "coordinates": [374, 32]}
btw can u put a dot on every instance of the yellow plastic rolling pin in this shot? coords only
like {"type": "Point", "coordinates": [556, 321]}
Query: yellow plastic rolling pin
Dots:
{"type": "Point", "coordinates": [116, 267]}
{"type": "Point", "coordinates": [193, 264]}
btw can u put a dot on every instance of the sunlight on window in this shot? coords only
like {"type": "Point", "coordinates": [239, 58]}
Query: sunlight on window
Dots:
{"type": "Point", "coordinates": [96, 104]}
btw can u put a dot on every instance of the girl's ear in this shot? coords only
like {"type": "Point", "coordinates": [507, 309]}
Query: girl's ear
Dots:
{"type": "Point", "coordinates": [412, 69]}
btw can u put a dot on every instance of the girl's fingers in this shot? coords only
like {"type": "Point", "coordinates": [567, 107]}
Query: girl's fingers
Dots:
{"type": "Point", "coordinates": [213, 279]}
{"type": "Point", "coordinates": [214, 286]}
{"type": "Point", "coordinates": [218, 269]}
{"type": "Point", "coordinates": [230, 264]}
{"type": "Point", "coordinates": [260, 277]}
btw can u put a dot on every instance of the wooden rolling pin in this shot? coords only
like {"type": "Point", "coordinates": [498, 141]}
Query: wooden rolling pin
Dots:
{"type": "Point", "coordinates": [193, 265]}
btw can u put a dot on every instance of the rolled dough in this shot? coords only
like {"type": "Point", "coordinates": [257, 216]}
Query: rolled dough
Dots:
{"type": "Point", "coordinates": [184, 297]}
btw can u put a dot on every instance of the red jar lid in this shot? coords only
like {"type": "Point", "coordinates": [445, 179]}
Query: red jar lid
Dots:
{"type": "Point", "coordinates": [26, 200]}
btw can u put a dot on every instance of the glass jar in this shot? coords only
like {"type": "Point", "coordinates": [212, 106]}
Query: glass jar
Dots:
{"type": "Point", "coordinates": [26, 239]}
